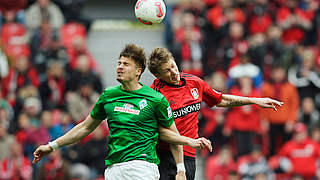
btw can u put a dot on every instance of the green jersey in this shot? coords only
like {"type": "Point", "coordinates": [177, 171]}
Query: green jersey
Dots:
{"type": "Point", "coordinates": [133, 118]}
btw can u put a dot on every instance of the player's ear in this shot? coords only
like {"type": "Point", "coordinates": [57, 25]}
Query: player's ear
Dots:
{"type": "Point", "coordinates": [139, 71]}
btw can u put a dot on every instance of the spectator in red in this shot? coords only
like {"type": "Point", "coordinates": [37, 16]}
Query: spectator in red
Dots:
{"type": "Point", "coordinates": [282, 121]}
{"type": "Point", "coordinates": [295, 21]}
{"type": "Point", "coordinates": [212, 119]}
{"type": "Point", "coordinates": [189, 39]}
{"type": "Point", "coordinates": [224, 13]}
{"type": "Point", "coordinates": [16, 166]}
{"type": "Point", "coordinates": [21, 75]}
{"type": "Point", "coordinates": [244, 121]}
{"type": "Point", "coordinates": [219, 166]}
{"type": "Point", "coordinates": [259, 19]}
{"type": "Point", "coordinates": [302, 153]}
{"type": "Point", "coordinates": [55, 168]}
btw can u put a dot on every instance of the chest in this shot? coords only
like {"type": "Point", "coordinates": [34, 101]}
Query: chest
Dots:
{"type": "Point", "coordinates": [182, 96]}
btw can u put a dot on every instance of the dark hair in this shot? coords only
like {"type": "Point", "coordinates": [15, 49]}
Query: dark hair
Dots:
{"type": "Point", "coordinates": [136, 53]}
{"type": "Point", "coordinates": [158, 57]}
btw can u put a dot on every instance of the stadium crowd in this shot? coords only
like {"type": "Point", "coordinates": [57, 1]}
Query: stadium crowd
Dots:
{"type": "Point", "coordinates": [255, 48]}
{"type": "Point", "coordinates": [49, 81]}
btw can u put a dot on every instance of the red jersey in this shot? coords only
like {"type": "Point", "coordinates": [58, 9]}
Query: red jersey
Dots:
{"type": "Point", "coordinates": [185, 101]}
{"type": "Point", "coordinates": [303, 156]}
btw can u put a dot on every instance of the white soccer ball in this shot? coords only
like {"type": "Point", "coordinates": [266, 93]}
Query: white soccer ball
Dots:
{"type": "Point", "coordinates": [150, 11]}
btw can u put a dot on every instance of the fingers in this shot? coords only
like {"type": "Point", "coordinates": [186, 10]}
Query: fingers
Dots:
{"type": "Point", "coordinates": [278, 103]}
{"type": "Point", "coordinates": [206, 143]}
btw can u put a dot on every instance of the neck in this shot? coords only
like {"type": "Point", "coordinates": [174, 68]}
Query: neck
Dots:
{"type": "Point", "coordinates": [131, 86]}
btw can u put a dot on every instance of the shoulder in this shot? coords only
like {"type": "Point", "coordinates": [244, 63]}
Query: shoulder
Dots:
{"type": "Point", "coordinates": [148, 91]}
{"type": "Point", "coordinates": [190, 77]}
{"type": "Point", "coordinates": [110, 90]}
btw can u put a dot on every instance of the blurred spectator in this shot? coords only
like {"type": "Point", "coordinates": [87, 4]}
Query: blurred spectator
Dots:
{"type": "Point", "coordinates": [73, 12]}
{"type": "Point", "coordinates": [79, 47]}
{"type": "Point", "coordinates": [233, 175]}
{"type": "Point", "coordinates": [55, 168]}
{"type": "Point", "coordinates": [12, 9]}
{"type": "Point", "coordinates": [212, 119]}
{"type": "Point", "coordinates": [219, 166]}
{"type": "Point", "coordinates": [94, 150]}
{"type": "Point", "coordinates": [5, 142]}
{"type": "Point", "coordinates": [46, 121]}
{"type": "Point", "coordinates": [43, 10]}
{"type": "Point", "coordinates": [22, 74]}
{"type": "Point", "coordinates": [305, 76]}
{"type": "Point", "coordinates": [52, 90]}
{"type": "Point", "coordinates": [4, 65]}
{"type": "Point", "coordinates": [260, 18]}
{"type": "Point", "coordinates": [41, 38]}
{"type": "Point", "coordinates": [282, 121]}
{"type": "Point", "coordinates": [302, 153]}
{"type": "Point", "coordinates": [309, 115]}
{"type": "Point", "coordinates": [83, 73]}
{"type": "Point", "coordinates": [231, 48]}
{"type": "Point", "coordinates": [188, 37]}
{"type": "Point", "coordinates": [294, 21]}
{"type": "Point", "coordinates": [54, 52]}
{"type": "Point", "coordinates": [244, 122]}
{"type": "Point", "coordinates": [6, 114]}
{"type": "Point", "coordinates": [223, 13]}
{"type": "Point", "coordinates": [315, 134]}
{"type": "Point", "coordinates": [254, 166]}
{"type": "Point", "coordinates": [80, 102]}
{"type": "Point", "coordinates": [16, 166]}
{"type": "Point", "coordinates": [246, 68]}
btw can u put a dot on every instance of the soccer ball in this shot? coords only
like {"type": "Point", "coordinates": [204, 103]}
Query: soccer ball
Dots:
{"type": "Point", "coordinates": [150, 11]}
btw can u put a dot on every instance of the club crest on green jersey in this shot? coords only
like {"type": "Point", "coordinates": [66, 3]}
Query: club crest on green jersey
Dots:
{"type": "Point", "coordinates": [169, 112]}
{"type": "Point", "coordinates": [143, 103]}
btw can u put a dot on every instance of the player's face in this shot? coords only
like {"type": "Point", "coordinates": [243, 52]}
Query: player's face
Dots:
{"type": "Point", "coordinates": [169, 72]}
{"type": "Point", "coordinates": [127, 70]}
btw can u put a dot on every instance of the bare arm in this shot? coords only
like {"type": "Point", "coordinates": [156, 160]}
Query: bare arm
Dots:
{"type": "Point", "coordinates": [177, 152]}
{"type": "Point", "coordinates": [233, 101]}
{"type": "Point", "coordinates": [172, 137]}
{"type": "Point", "coordinates": [74, 135]}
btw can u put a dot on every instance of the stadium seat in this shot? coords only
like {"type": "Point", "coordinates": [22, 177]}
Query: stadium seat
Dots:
{"type": "Point", "coordinates": [13, 33]}
{"type": "Point", "coordinates": [70, 31]}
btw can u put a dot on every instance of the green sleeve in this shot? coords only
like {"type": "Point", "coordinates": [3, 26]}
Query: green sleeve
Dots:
{"type": "Point", "coordinates": [98, 111]}
{"type": "Point", "coordinates": [164, 113]}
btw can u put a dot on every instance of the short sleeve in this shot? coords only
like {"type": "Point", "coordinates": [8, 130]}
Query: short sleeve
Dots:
{"type": "Point", "coordinates": [98, 111]}
{"type": "Point", "coordinates": [164, 113]}
{"type": "Point", "coordinates": [210, 96]}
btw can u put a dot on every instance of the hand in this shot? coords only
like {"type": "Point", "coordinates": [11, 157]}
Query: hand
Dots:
{"type": "Point", "coordinates": [267, 103]}
{"type": "Point", "coordinates": [41, 152]}
{"type": "Point", "coordinates": [181, 175]}
{"type": "Point", "coordinates": [201, 143]}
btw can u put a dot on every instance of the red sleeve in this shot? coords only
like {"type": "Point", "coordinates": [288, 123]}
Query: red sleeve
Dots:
{"type": "Point", "coordinates": [210, 96]}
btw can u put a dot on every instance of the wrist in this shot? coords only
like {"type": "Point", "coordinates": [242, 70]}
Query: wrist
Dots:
{"type": "Point", "coordinates": [180, 167]}
{"type": "Point", "coordinates": [54, 145]}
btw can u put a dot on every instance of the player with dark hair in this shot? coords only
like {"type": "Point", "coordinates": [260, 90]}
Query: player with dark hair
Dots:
{"type": "Point", "coordinates": [135, 115]}
{"type": "Point", "coordinates": [185, 93]}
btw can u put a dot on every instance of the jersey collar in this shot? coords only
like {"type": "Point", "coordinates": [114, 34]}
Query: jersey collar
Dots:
{"type": "Point", "coordinates": [174, 85]}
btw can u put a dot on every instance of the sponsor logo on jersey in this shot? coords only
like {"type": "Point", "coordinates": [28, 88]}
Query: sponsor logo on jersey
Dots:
{"type": "Point", "coordinates": [128, 106]}
{"type": "Point", "coordinates": [186, 110]}
{"type": "Point", "coordinates": [169, 112]}
{"type": "Point", "coordinates": [195, 93]}
{"type": "Point", "coordinates": [126, 110]}
{"type": "Point", "coordinates": [143, 103]}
